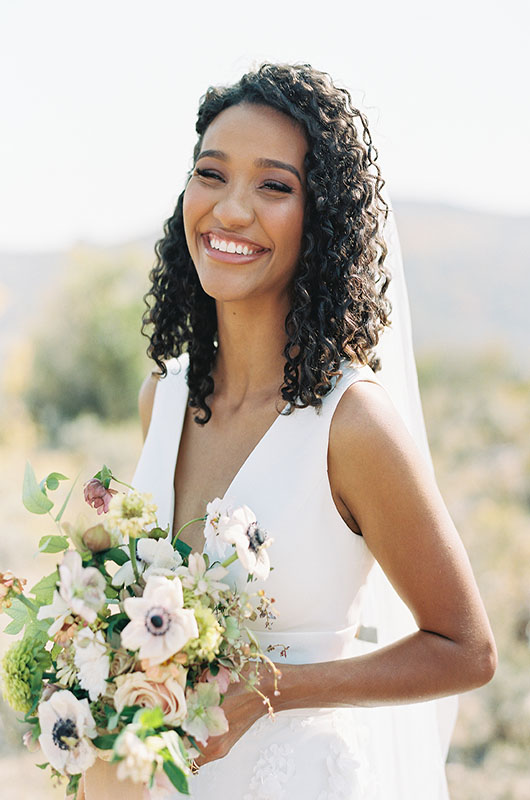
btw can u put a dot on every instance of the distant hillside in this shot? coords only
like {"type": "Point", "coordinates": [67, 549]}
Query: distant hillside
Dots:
{"type": "Point", "coordinates": [468, 276]}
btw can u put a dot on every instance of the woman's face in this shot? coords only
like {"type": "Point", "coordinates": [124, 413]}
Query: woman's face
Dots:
{"type": "Point", "coordinates": [244, 205]}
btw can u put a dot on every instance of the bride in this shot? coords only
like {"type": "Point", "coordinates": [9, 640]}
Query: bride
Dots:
{"type": "Point", "coordinates": [269, 298]}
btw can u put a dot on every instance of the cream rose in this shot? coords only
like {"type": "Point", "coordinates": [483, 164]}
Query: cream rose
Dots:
{"type": "Point", "coordinates": [136, 689]}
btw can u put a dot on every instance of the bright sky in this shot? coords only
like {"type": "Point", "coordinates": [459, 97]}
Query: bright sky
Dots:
{"type": "Point", "coordinates": [98, 100]}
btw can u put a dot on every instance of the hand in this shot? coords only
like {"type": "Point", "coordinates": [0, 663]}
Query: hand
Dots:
{"type": "Point", "coordinates": [242, 707]}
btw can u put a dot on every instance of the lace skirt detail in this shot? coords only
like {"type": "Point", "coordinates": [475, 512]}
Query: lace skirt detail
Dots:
{"type": "Point", "coordinates": [327, 754]}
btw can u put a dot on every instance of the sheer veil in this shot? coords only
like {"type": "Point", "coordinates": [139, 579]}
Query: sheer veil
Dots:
{"type": "Point", "coordinates": [383, 609]}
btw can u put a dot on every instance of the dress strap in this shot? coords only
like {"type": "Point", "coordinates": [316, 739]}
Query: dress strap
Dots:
{"type": "Point", "coordinates": [156, 468]}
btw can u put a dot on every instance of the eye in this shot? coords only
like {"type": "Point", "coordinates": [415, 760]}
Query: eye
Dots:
{"type": "Point", "coordinates": [207, 173]}
{"type": "Point", "coordinates": [276, 186]}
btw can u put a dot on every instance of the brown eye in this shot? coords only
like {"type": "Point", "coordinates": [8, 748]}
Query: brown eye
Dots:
{"type": "Point", "coordinates": [207, 173]}
{"type": "Point", "coordinates": [276, 186]}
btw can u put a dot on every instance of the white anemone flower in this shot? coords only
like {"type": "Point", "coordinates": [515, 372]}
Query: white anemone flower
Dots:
{"type": "Point", "coordinates": [66, 729]}
{"type": "Point", "coordinates": [154, 557]}
{"type": "Point", "coordinates": [92, 661]}
{"type": "Point", "coordinates": [217, 547]}
{"type": "Point", "coordinates": [138, 759]}
{"type": "Point", "coordinates": [202, 580]}
{"type": "Point", "coordinates": [251, 542]}
{"type": "Point", "coordinates": [82, 588]}
{"type": "Point", "coordinates": [160, 626]}
{"type": "Point", "coordinates": [57, 610]}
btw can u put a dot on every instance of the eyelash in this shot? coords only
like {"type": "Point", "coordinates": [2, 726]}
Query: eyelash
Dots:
{"type": "Point", "coordinates": [275, 186]}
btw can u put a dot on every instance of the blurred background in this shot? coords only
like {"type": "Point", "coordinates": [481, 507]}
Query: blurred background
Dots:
{"type": "Point", "coordinates": [98, 104]}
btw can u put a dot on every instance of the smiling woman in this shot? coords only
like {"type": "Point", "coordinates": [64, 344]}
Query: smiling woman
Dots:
{"type": "Point", "coordinates": [267, 306]}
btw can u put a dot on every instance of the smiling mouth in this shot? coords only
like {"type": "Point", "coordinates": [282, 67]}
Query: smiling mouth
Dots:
{"type": "Point", "coordinates": [231, 249]}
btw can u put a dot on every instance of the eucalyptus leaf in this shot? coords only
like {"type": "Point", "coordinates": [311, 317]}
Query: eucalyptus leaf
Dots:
{"type": "Point", "coordinates": [44, 589]}
{"type": "Point", "coordinates": [52, 480]}
{"type": "Point", "coordinates": [53, 544]}
{"type": "Point", "coordinates": [34, 498]}
{"type": "Point", "coordinates": [177, 777]}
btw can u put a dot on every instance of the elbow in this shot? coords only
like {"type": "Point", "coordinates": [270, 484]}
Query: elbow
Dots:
{"type": "Point", "coordinates": [483, 662]}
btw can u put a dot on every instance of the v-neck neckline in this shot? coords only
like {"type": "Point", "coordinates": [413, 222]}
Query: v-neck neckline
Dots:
{"type": "Point", "coordinates": [242, 468]}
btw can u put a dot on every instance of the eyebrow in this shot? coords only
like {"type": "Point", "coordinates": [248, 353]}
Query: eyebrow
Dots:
{"type": "Point", "coordinates": [259, 162]}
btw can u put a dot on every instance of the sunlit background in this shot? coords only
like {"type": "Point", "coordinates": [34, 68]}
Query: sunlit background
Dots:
{"type": "Point", "coordinates": [98, 103]}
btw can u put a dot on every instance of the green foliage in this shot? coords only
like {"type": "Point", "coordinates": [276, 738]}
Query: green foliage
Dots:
{"type": "Point", "coordinates": [88, 350]}
{"type": "Point", "coordinates": [34, 496]}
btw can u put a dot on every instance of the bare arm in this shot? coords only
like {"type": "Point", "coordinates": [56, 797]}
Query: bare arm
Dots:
{"type": "Point", "coordinates": [382, 480]}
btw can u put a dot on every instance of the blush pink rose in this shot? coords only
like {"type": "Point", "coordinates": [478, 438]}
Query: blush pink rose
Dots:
{"type": "Point", "coordinates": [222, 679]}
{"type": "Point", "coordinates": [135, 689]}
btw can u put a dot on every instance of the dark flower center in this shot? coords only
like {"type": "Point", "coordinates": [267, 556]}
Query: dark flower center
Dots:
{"type": "Point", "coordinates": [256, 536]}
{"type": "Point", "coordinates": [157, 621]}
{"type": "Point", "coordinates": [64, 729]}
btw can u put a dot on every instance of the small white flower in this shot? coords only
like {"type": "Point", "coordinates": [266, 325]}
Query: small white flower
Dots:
{"type": "Point", "coordinates": [139, 759]}
{"type": "Point", "coordinates": [92, 662]}
{"type": "Point", "coordinates": [66, 729]}
{"type": "Point", "coordinates": [131, 514]}
{"type": "Point", "coordinates": [154, 557]}
{"type": "Point", "coordinates": [57, 610]}
{"type": "Point", "coordinates": [160, 626]}
{"type": "Point", "coordinates": [251, 542]}
{"type": "Point", "coordinates": [205, 716]}
{"type": "Point", "coordinates": [217, 547]}
{"type": "Point", "coordinates": [66, 670]}
{"type": "Point", "coordinates": [201, 580]}
{"type": "Point", "coordinates": [81, 588]}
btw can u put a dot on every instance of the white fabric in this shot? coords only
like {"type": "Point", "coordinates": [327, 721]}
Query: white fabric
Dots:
{"type": "Point", "coordinates": [320, 579]}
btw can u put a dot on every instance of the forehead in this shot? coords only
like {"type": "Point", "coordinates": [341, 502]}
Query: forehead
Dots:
{"type": "Point", "coordinates": [256, 131]}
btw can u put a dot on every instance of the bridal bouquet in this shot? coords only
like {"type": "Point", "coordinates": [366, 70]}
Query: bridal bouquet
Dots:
{"type": "Point", "coordinates": [129, 645]}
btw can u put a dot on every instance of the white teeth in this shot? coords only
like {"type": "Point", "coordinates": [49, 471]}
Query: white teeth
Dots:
{"type": "Point", "coordinates": [230, 247]}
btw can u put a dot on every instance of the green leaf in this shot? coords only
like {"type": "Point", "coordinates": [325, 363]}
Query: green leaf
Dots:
{"type": "Point", "coordinates": [53, 544]}
{"type": "Point", "coordinates": [44, 589]}
{"type": "Point", "coordinates": [19, 614]}
{"type": "Point", "coordinates": [52, 480]}
{"type": "Point", "coordinates": [105, 476]}
{"type": "Point", "coordinates": [117, 555]}
{"type": "Point", "coordinates": [182, 548]}
{"type": "Point", "coordinates": [33, 497]}
{"type": "Point", "coordinates": [150, 717]}
{"type": "Point", "coordinates": [177, 777]}
{"type": "Point", "coordinates": [105, 742]}
{"type": "Point", "coordinates": [67, 498]}
{"type": "Point", "coordinates": [42, 766]}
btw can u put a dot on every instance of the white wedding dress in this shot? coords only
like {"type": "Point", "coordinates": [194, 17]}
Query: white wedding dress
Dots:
{"type": "Point", "coordinates": [320, 581]}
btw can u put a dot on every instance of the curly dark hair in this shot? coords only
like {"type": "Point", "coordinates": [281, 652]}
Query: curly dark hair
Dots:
{"type": "Point", "coordinates": [338, 304]}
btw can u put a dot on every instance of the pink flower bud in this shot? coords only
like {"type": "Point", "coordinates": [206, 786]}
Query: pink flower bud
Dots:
{"type": "Point", "coordinates": [98, 496]}
{"type": "Point", "coordinates": [31, 743]}
{"type": "Point", "coordinates": [97, 538]}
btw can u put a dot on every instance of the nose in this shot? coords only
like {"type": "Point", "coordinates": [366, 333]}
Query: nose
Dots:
{"type": "Point", "coordinates": [234, 209]}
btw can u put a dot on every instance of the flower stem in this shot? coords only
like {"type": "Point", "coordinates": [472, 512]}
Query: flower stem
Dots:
{"type": "Point", "coordinates": [27, 602]}
{"type": "Point", "coordinates": [230, 560]}
{"type": "Point", "coordinates": [132, 551]}
{"type": "Point", "coordinates": [176, 536]}
{"type": "Point", "coordinates": [123, 483]}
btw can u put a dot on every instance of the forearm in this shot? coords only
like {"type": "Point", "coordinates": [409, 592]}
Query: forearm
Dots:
{"type": "Point", "coordinates": [420, 667]}
{"type": "Point", "coordinates": [100, 782]}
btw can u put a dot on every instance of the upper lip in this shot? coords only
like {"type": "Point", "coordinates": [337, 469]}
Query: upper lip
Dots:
{"type": "Point", "coordinates": [228, 236]}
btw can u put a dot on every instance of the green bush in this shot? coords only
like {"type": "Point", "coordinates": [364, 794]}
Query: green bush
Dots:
{"type": "Point", "coordinates": [89, 355]}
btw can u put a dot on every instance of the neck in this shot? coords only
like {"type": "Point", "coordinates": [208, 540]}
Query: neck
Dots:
{"type": "Point", "coordinates": [249, 363]}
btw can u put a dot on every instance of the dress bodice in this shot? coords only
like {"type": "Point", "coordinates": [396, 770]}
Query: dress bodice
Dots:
{"type": "Point", "coordinates": [319, 565]}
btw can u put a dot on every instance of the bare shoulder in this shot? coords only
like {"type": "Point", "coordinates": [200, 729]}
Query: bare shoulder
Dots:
{"type": "Point", "coordinates": [146, 398]}
{"type": "Point", "coordinates": [365, 415]}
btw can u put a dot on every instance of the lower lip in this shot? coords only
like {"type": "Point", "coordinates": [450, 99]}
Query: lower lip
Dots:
{"type": "Point", "coordinates": [230, 258]}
